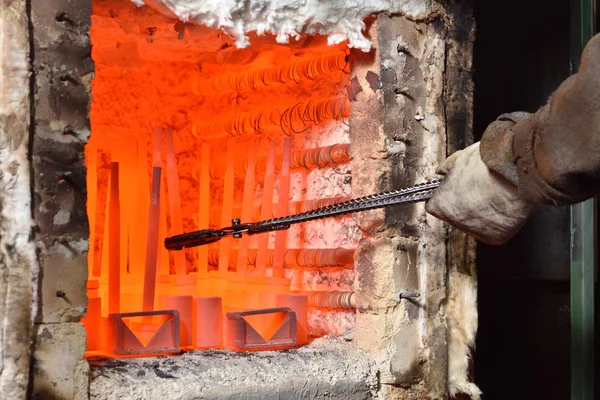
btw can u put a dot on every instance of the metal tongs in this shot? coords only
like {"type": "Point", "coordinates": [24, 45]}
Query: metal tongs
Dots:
{"type": "Point", "coordinates": [411, 194]}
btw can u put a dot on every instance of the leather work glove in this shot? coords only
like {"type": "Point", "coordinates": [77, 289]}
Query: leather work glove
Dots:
{"type": "Point", "coordinates": [478, 201]}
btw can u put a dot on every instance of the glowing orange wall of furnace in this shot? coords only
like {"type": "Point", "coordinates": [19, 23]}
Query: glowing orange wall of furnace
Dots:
{"type": "Point", "coordinates": [182, 98]}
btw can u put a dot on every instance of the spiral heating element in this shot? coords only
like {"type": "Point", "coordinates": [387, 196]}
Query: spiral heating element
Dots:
{"type": "Point", "coordinates": [292, 72]}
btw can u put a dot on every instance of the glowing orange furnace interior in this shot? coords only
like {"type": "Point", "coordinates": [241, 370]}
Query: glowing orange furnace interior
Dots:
{"type": "Point", "coordinates": [189, 132]}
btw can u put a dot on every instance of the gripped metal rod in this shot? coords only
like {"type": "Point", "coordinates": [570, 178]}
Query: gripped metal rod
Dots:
{"type": "Point", "coordinates": [409, 195]}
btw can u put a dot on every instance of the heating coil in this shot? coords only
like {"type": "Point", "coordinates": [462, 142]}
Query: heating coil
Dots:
{"type": "Point", "coordinates": [335, 299]}
{"type": "Point", "coordinates": [292, 72]}
{"type": "Point", "coordinates": [319, 157]}
{"type": "Point", "coordinates": [295, 119]}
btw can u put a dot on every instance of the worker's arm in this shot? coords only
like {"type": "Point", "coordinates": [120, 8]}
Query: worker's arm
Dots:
{"type": "Point", "coordinates": [551, 157]}
{"type": "Point", "coordinates": [557, 149]}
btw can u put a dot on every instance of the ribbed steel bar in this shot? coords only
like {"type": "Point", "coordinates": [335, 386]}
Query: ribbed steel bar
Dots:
{"type": "Point", "coordinates": [409, 195]}
{"type": "Point", "coordinates": [295, 207]}
{"type": "Point", "coordinates": [404, 196]}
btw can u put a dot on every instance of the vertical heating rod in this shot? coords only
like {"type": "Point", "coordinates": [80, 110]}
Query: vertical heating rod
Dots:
{"type": "Point", "coordinates": [114, 244]}
{"type": "Point", "coordinates": [174, 200]}
{"type": "Point", "coordinates": [105, 259]}
{"type": "Point", "coordinates": [266, 210]}
{"type": "Point", "coordinates": [163, 254]}
{"type": "Point", "coordinates": [91, 160]}
{"type": "Point", "coordinates": [203, 205]}
{"type": "Point", "coordinates": [102, 195]}
{"type": "Point", "coordinates": [127, 170]}
{"type": "Point", "coordinates": [152, 242]}
{"type": "Point", "coordinates": [141, 205]}
{"type": "Point", "coordinates": [282, 207]}
{"type": "Point", "coordinates": [227, 208]}
{"type": "Point", "coordinates": [246, 211]}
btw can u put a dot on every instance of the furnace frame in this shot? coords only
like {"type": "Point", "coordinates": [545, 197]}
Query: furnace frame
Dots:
{"type": "Point", "coordinates": [400, 131]}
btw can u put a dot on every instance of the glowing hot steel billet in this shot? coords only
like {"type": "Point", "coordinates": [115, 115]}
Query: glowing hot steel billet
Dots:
{"type": "Point", "coordinates": [282, 207]}
{"type": "Point", "coordinates": [266, 210]}
{"type": "Point", "coordinates": [174, 199]}
{"type": "Point", "coordinates": [114, 242]}
{"type": "Point", "coordinates": [152, 242]}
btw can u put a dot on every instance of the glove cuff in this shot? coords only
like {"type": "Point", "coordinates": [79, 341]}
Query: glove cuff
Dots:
{"type": "Point", "coordinates": [533, 187]}
{"type": "Point", "coordinates": [497, 146]}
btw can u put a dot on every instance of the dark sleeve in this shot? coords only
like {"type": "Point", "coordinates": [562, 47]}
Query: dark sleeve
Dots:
{"type": "Point", "coordinates": [556, 151]}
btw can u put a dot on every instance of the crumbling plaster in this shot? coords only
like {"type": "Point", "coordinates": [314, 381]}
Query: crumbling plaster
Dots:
{"type": "Point", "coordinates": [18, 264]}
{"type": "Point", "coordinates": [63, 69]}
{"type": "Point", "coordinates": [405, 245]}
{"type": "Point", "coordinates": [60, 369]}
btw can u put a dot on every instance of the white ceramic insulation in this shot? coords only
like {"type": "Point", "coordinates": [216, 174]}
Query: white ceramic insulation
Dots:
{"type": "Point", "coordinates": [339, 20]}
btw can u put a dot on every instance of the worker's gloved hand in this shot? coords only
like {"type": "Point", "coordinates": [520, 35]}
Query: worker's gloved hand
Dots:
{"type": "Point", "coordinates": [476, 200]}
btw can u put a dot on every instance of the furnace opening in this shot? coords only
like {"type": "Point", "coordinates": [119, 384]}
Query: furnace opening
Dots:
{"type": "Point", "coordinates": [188, 133]}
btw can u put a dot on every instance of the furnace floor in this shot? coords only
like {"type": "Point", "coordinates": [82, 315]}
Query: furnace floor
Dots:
{"type": "Point", "coordinates": [326, 368]}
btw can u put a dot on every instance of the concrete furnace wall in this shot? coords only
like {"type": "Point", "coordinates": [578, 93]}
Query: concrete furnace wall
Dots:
{"type": "Point", "coordinates": [18, 265]}
{"type": "Point", "coordinates": [412, 108]}
{"type": "Point", "coordinates": [63, 70]}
